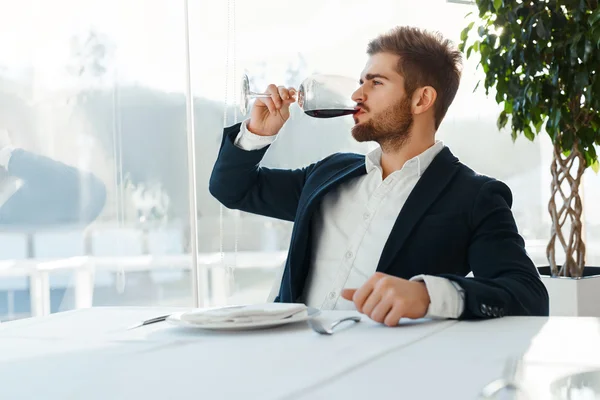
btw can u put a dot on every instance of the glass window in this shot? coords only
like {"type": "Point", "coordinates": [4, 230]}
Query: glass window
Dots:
{"type": "Point", "coordinates": [283, 44]}
{"type": "Point", "coordinates": [96, 210]}
{"type": "Point", "coordinates": [94, 101]}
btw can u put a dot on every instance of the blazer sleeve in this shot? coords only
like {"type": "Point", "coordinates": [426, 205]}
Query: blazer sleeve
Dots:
{"type": "Point", "coordinates": [239, 182]}
{"type": "Point", "coordinates": [53, 193]}
{"type": "Point", "coordinates": [505, 280]}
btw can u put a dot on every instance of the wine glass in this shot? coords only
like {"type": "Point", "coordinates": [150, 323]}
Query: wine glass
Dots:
{"type": "Point", "coordinates": [319, 96]}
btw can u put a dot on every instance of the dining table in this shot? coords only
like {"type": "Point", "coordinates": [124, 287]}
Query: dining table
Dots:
{"type": "Point", "coordinates": [102, 353]}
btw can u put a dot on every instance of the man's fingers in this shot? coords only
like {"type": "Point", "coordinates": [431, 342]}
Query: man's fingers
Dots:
{"type": "Point", "coordinates": [267, 101]}
{"type": "Point", "coordinates": [274, 92]}
{"type": "Point", "coordinates": [393, 317]}
{"type": "Point", "coordinates": [382, 310]}
{"type": "Point", "coordinates": [283, 93]}
{"type": "Point", "coordinates": [362, 293]}
{"type": "Point", "coordinates": [371, 302]}
{"type": "Point", "coordinates": [348, 293]}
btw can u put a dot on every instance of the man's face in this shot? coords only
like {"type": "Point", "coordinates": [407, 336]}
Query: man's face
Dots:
{"type": "Point", "coordinates": [386, 115]}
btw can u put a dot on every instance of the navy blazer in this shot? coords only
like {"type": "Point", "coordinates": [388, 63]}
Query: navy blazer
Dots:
{"type": "Point", "coordinates": [455, 221]}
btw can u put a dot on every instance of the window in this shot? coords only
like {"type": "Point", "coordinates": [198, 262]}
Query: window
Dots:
{"type": "Point", "coordinates": [101, 86]}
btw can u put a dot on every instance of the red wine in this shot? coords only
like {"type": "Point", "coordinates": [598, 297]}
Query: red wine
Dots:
{"type": "Point", "coordinates": [330, 113]}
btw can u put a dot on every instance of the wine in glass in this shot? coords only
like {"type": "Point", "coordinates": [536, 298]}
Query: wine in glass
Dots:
{"type": "Point", "coordinates": [319, 96]}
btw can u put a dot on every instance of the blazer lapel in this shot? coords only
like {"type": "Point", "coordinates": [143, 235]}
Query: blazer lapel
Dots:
{"type": "Point", "coordinates": [431, 184]}
{"type": "Point", "coordinates": [352, 171]}
{"type": "Point", "coordinates": [294, 278]}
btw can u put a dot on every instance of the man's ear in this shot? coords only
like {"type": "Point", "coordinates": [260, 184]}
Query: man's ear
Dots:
{"type": "Point", "coordinates": [423, 99]}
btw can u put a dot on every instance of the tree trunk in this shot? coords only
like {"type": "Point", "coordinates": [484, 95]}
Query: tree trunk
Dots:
{"type": "Point", "coordinates": [569, 209]}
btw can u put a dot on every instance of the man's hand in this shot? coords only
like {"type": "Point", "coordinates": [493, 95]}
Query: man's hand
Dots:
{"type": "Point", "coordinates": [269, 114]}
{"type": "Point", "coordinates": [386, 299]}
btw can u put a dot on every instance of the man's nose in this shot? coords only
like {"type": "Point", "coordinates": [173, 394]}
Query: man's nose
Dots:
{"type": "Point", "coordinates": [358, 96]}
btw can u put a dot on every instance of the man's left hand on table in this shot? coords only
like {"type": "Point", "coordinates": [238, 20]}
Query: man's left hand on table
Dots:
{"type": "Point", "coordinates": [386, 299]}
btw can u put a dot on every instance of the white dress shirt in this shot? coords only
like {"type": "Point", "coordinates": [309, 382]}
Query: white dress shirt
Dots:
{"type": "Point", "coordinates": [352, 226]}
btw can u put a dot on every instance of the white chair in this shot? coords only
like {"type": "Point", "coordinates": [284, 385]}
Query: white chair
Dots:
{"type": "Point", "coordinates": [166, 241]}
{"type": "Point", "coordinates": [65, 244]}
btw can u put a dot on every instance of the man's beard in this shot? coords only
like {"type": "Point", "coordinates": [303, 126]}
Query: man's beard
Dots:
{"type": "Point", "coordinates": [390, 128]}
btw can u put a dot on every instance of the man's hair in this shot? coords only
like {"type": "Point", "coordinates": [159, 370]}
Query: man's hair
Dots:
{"type": "Point", "coordinates": [426, 59]}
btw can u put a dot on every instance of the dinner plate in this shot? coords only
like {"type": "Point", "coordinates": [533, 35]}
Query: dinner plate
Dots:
{"type": "Point", "coordinates": [176, 319]}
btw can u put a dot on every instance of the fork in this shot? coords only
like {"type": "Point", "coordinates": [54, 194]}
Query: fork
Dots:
{"type": "Point", "coordinates": [149, 321]}
{"type": "Point", "coordinates": [508, 381]}
{"type": "Point", "coordinates": [318, 326]}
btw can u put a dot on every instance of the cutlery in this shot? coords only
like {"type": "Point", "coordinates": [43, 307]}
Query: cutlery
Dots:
{"type": "Point", "coordinates": [318, 326]}
{"type": "Point", "coordinates": [507, 382]}
{"type": "Point", "coordinates": [150, 321]}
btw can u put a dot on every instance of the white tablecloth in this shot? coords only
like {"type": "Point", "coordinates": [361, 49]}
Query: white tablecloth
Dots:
{"type": "Point", "coordinates": [89, 354]}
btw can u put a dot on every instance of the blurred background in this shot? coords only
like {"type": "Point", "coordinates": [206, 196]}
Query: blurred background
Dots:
{"type": "Point", "coordinates": [101, 86]}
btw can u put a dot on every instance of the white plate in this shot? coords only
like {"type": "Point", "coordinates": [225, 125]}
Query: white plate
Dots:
{"type": "Point", "coordinates": [175, 319]}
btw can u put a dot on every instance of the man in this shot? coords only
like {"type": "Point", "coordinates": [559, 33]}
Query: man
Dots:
{"type": "Point", "coordinates": [393, 233]}
{"type": "Point", "coordinates": [36, 191]}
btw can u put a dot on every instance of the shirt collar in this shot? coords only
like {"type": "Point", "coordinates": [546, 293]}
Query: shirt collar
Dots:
{"type": "Point", "coordinates": [419, 163]}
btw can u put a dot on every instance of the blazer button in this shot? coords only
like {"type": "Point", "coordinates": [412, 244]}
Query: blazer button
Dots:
{"type": "Point", "coordinates": [484, 309]}
{"type": "Point", "coordinates": [501, 312]}
{"type": "Point", "coordinates": [495, 311]}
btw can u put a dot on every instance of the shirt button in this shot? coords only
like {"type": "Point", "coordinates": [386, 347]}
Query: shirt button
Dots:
{"type": "Point", "coordinates": [332, 295]}
{"type": "Point", "coordinates": [366, 216]}
{"type": "Point", "coordinates": [349, 254]}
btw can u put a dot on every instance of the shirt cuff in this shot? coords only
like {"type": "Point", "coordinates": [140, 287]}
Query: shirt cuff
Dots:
{"type": "Point", "coordinates": [248, 141]}
{"type": "Point", "coordinates": [5, 154]}
{"type": "Point", "coordinates": [446, 297]}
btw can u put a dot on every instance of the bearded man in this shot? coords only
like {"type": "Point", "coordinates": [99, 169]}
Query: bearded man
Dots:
{"type": "Point", "coordinates": [395, 233]}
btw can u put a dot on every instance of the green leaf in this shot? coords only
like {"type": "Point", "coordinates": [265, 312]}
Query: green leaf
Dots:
{"type": "Point", "coordinates": [595, 166]}
{"type": "Point", "coordinates": [582, 79]}
{"type": "Point", "coordinates": [468, 14]}
{"type": "Point", "coordinates": [464, 34]}
{"type": "Point", "coordinates": [502, 120]}
{"type": "Point", "coordinates": [540, 29]}
{"type": "Point", "coordinates": [538, 126]}
{"type": "Point", "coordinates": [596, 35]}
{"type": "Point", "coordinates": [469, 51]}
{"type": "Point", "coordinates": [508, 107]}
{"type": "Point", "coordinates": [497, 5]}
{"type": "Point", "coordinates": [528, 133]}
{"type": "Point", "coordinates": [595, 18]}
{"type": "Point", "coordinates": [556, 120]}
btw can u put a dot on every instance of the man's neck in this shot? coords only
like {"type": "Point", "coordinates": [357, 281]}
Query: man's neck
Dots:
{"type": "Point", "coordinates": [393, 159]}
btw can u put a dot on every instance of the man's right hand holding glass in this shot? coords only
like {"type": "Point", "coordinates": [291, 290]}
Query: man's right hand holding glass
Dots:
{"type": "Point", "coordinates": [269, 114]}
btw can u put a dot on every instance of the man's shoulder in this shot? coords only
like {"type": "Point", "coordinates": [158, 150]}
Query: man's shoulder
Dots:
{"type": "Point", "coordinates": [474, 182]}
{"type": "Point", "coordinates": [472, 176]}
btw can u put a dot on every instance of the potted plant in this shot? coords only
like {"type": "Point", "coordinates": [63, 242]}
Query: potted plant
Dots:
{"type": "Point", "coordinates": [542, 59]}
